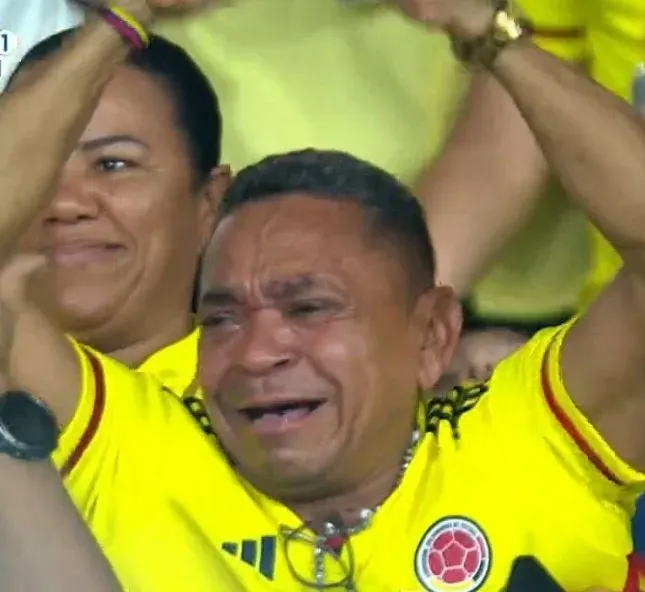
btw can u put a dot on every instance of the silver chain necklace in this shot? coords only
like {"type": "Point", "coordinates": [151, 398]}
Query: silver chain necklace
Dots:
{"type": "Point", "coordinates": [333, 532]}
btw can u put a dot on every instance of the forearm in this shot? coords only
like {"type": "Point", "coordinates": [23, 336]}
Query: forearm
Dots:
{"type": "Point", "coordinates": [592, 140]}
{"type": "Point", "coordinates": [484, 186]}
{"type": "Point", "coordinates": [44, 545]}
{"type": "Point", "coordinates": [41, 118]}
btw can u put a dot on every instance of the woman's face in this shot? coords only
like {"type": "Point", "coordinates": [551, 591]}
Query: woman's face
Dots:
{"type": "Point", "coordinates": [125, 228]}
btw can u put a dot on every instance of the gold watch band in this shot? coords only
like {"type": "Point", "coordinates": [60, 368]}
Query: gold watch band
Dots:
{"type": "Point", "coordinates": [505, 28]}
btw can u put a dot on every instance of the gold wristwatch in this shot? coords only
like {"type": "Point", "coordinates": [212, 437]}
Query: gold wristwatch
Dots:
{"type": "Point", "coordinates": [505, 28]}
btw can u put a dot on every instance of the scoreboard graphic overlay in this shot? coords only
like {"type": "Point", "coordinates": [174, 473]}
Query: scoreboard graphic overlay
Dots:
{"type": "Point", "coordinates": [8, 46]}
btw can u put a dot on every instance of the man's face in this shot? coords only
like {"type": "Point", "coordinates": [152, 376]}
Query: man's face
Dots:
{"type": "Point", "coordinates": [126, 225]}
{"type": "Point", "coordinates": [311, 351]}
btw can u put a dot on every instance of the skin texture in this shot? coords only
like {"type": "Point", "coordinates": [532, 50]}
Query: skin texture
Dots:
{"type": "Point", "coordinates": [121, 238]}
{"type": "Point", "coordinates": [298, 305]}
{"type": "Point", "coordinates": [124, 230]}
{"type": "Point", "coordinates": [43, 543]}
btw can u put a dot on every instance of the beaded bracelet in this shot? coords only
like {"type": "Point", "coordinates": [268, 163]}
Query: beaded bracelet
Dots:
{"type": "Point", "coordinates": [126, 25]}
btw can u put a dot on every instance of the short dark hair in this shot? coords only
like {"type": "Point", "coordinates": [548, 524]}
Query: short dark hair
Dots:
{"type": "Point", "coordinates": [391, 211]}
{"type": "Point", "coordinates": [195, 101]}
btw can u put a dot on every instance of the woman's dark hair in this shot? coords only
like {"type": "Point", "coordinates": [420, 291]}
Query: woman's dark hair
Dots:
{"type": "Point", "coordinates": [196, 104]}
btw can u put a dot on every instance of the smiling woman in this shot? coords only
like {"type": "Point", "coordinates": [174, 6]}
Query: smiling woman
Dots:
{"type": "Point", "coordinates": [131, 214]}
{"type": "Point", "coordinates": [109, 167]}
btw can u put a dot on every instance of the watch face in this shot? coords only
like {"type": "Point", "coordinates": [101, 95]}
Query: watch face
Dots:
{"type": "Point", "coordinates": [28, 423]}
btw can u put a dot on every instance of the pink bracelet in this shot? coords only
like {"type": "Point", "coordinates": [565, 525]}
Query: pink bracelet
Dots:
{"type": "Point", "coordinates": [126, 26]}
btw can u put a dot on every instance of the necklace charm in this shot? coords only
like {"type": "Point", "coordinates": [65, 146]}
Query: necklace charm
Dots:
{"type": "Point", "coordinates": [334, 534]}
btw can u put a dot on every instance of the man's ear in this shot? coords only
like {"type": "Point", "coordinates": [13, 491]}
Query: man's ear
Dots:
{"type": "Point", "coordinates": [440, 320]}
{"type": "Point", "coordinates": [212, 192]}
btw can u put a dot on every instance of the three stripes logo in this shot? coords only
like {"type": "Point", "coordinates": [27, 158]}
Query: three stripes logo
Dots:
{"type": "Point", "coordinates": [258, 554]}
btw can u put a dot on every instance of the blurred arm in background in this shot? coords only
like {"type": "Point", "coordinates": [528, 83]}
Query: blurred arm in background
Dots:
{"type": "Point", "coordinates": [484, 187]}
{"type": "Point", "coordinates": [44, 545]}
{"type": "Point", "coordinates": [486, 183]}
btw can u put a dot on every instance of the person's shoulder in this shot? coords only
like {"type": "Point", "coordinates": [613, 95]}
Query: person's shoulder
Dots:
{"type": "Point", "coordinates": [114, 392]}
{"type": "Point", "coordinates": [175, 365]}
{"type": "Point", "coordinates": [454, 405]}
{"type": "Point", "coordinates": [529, 358]}
{"type": "Point", "coordinates": [515, 387]}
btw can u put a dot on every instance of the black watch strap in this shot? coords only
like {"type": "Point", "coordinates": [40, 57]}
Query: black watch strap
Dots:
{"type": "Point", "coordinates": [28, 429]}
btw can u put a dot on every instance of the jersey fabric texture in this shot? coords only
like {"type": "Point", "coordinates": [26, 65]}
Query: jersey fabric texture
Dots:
{"type": "Point", "coordinates": [608, 36]}
{"type": "Point", "coordinates": [506, 468]}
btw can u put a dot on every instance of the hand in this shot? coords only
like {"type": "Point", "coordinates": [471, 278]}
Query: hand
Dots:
{"type": "Point", "coordinates": [14, 280]}
{"type": "Point", "coordinates": [467, 19]}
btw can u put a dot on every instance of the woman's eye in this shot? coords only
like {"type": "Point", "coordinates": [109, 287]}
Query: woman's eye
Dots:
{"type": "Point", "coordinates": [113, 165]}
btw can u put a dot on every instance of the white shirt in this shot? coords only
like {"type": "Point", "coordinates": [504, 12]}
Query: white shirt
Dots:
{"type": "Point", "coordinates": [26, 22]}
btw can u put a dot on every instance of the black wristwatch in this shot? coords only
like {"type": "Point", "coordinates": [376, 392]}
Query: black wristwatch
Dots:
{"type": "Point", "coordinates": [28, 429]}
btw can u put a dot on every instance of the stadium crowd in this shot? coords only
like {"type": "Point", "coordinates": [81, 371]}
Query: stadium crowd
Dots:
{"type": "Point", "coordinates": [214, 260]}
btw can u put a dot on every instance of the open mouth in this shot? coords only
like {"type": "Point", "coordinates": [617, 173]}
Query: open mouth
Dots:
{"type": "Point", "coordinates": [280, 415]}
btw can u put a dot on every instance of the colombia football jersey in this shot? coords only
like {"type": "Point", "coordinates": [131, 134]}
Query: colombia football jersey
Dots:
{"type": "Point", "coordinates": [175, 365]}
{"type": "Point", "coordinates": [503, 469]}
{"type": "Point", "coordinates": [609, 37]}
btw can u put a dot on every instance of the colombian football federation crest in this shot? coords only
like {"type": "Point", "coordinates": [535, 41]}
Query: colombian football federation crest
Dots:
{"type": "Point", "coordinates": [453, 556]}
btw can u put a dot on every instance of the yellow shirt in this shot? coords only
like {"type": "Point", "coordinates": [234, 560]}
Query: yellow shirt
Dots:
{"type": "Point", "coordinates": [527, 475]}
{"type": "Point", "coordinates": [364, 79]}
{"type": "Point", "coordinates": [175, 365]}
{"type": "Point", "coordinates": [323, 73]}
{"type": "Point", "coordinates": [609, 36]}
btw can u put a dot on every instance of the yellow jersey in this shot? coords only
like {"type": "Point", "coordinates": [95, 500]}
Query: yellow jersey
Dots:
{"type": "Point", "coordinates": [175, 365]}
{"type": "Point", "coordinates": [502, 469]}
{"type": "Point", "coordinates": [609, 37]}
{"type": "Point", "coordinates": [358, 84]}
{"type": "Point", "coordinates": [366, 81]}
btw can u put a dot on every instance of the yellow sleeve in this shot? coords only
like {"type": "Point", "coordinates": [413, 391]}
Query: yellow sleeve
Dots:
{"type": "Point", "coordinates": [559, 26]}
{"type": "Point", "coordinates": [119, 409]}
{"type": "Point", "coordinates": [532, 376]}
{"type": "Point", "coordinates": [79, 432]}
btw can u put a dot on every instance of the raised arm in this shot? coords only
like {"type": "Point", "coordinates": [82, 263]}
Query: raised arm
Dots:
{"type": "Point", "coordinates": [44, 545]}
{"type": "Point", "coordinates": [596, 145]}
{"type": "Point", "coordinates": [42, 115]}
{"type": "Point", "coordinates": [484, 186]}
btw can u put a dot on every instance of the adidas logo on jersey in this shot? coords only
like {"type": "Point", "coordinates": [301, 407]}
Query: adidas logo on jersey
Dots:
{"type": "Point", "coordinates": [259, 554]}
